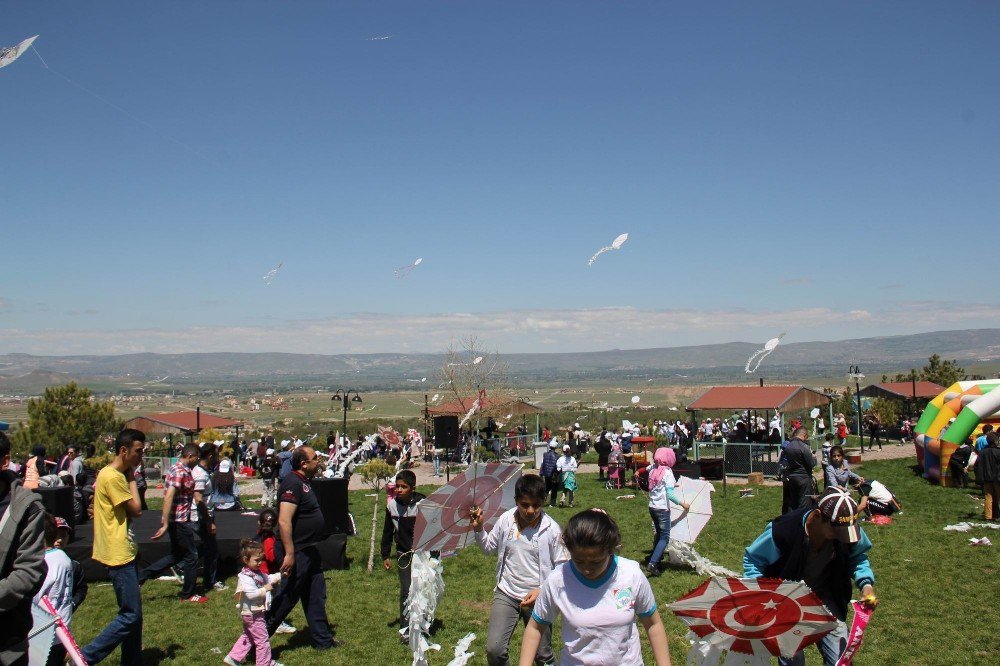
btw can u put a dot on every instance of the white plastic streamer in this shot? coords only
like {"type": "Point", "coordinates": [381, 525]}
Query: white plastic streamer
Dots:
{"type": "Point", "coordinates": [462, 655]}
{"type": "Point", "coordinates": [684, 553]}
{"type": "Point", "coordinates": [707, 654]}
{"type": "Point", "coordinates": [426, 588]}
{"type": "Point", "coordinates": [965, 526]}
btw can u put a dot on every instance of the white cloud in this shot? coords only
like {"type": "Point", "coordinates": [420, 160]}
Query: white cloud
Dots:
{"type": "Point", "coordinates": [582, 329]}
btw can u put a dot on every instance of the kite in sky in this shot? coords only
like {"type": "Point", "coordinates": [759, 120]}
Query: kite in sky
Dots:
{"type": "Point", "coordinates": [760, 354]}
{"type": "Point", "coordinates": [616, 244]}
{"type": "Point", "coordinates": [12, 53]}
{"type": "Point", "coordinates": [636, 399]}
{"type": "Point", "coordinates": [271, 274]}
{"type": "Point", "coordinates": [475, 361]}
{"type": "Point", "coordinates": [403, 271]}
{"type": "Point", "coordinates": [379, 38]}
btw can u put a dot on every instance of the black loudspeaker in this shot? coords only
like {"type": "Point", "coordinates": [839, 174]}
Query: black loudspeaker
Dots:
{"type": "Point", "coordinates": [58, 501]}
{"type": "Point", "coordinates": [332, 497]}
{"type": "Point", "coordinates": [446, 432]}
{"type": "Point", "coordinates": [690, 469]}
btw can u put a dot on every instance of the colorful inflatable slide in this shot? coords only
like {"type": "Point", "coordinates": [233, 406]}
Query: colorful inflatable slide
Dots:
{"type": "Point", "coordinates": [950, 418]}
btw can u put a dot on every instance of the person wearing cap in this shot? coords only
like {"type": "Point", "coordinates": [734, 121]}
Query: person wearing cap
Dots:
{"type": "Point", "coordinates": [823, 546]}
{"type": "Point", "coordinates": [58, 585]}
{"type": "Point", "coordinates": [227, 491]}
{"type": "Point", "coordinates": [566, 468]}
{"type": "Point", "coordinates": [285, 460]}
{"type": "Point", "coordinates": [268, 467]}
{"type": "Point", "coordinates": [548, 472]}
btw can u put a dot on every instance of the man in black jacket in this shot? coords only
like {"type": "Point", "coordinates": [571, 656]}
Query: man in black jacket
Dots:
{"type": "Point", "coordinates": [22, 559]}
{"type": "Point", "coordinates": [798, 462]}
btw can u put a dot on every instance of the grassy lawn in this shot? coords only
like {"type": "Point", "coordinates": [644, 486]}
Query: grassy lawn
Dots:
{"type": "Point", "coordinates": [937, 593]}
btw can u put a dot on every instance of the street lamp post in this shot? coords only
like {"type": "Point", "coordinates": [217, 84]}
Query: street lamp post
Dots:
{"type": "Point", "coordinates": [344, 396]}
{"type": "Point", "coordinates": [854, 372]}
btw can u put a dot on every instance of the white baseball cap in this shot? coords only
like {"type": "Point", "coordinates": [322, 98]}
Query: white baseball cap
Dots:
{"type": "Point", "coordinates": [269, 452]}
{"type": "Point", "coordinates": [225, 466]}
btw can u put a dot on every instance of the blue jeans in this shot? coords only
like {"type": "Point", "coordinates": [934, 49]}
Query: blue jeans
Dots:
{"type": "Point", "coordinates": [183, 554]}
{"type": "Point", "coordinates": [437, 465]}
{"type": "Point", "coordinates": [830, 646]}
{"type": "Point", "coordinates": [661, 534]}
{"type": "Point", "coordinates": [126, 627]}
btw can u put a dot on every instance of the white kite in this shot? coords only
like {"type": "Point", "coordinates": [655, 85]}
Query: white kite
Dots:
{"type": "Point", "coordinates": [271, 274]}
{"type": "Point", "coordinates": [418, 381]}
{"type": "Point", "coordinates": [12, 53]}
{"type": "Point", "coordinates": [616, 244]}
{"type": "Point", "coordinates": [760, 354]}
{"type": "Point", "coordinates": [635, 400]}
{"type": "Point", "coordinates": [403, 271]}
{"type": "Point", "coordinates": [379, 38]}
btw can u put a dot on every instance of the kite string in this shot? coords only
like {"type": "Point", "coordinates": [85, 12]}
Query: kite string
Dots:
{"type": "Point", "coordinates": [121, 109]}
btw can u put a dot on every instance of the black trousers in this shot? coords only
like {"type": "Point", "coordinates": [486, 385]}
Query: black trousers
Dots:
{"type": "Point", "coordinates": [873, 438]}
{"type": "Point", "coordinates": [305, 582]}
{"type": "Point", "coordinates": [957, 473]}
{"type": "Point", "coordinates": [552, 488]}
{"type": "Point", "coordinates": [404, 569]}
{"type": "Point", "coordinates": [794, 490]}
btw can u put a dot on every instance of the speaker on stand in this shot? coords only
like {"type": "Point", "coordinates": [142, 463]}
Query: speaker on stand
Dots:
{"type": "Point", "coordinates": [446, 437]}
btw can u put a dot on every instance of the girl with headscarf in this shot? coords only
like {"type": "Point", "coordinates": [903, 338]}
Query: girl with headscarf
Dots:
{"type": "Point", "coordinates": [661, 494]}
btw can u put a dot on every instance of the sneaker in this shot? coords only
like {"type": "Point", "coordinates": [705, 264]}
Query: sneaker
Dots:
{"type": "Point", "coordinates": [229, 661]}
{"type": "Point", "coordinates": [196, 599]}
{"type": "Point", "coordinates": [653, 572]}
{"type": "Point", "coordinates": [276, 663]}
{"type": "Point", "coordinates": [178, 575]}
{"type": "Point", "coordinates": [285, 628]}
{"type": "Point", "coordinates": [220, 586]}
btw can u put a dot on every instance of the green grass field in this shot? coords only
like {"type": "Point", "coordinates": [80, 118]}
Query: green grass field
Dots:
{"type": "Point", "coordinates": [937, 593]}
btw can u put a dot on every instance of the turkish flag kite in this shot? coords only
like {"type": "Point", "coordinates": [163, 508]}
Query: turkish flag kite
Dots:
{"type": "Point", "coordinates": [761, 617]}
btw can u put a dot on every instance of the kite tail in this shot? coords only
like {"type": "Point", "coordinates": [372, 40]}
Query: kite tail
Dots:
{"type": "Point", "coordinates": [684, 553]}
{"type": "Point", "coordinates": [703, 653]}
{"type": "Point", "coordinates": [426, 589]}
{"type": "Point", "coordinates": [759, 357]}
{"type": "Point", "coordinates": [462, 655]}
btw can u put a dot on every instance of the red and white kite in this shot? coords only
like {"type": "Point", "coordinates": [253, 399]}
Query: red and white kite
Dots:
{"type": "Point", "coordinates": [389, 435]}
{"type": "Point", "coordinates": [443, 518]}
{"type": "Point", "coordinates": [760, 617]}
{"type": "Point", "coordinates": [687, 525]}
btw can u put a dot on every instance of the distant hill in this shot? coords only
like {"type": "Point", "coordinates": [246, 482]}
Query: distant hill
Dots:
{"type": "Point", "coordinates": [33, 382]}
{"type": "Point", "coordinates": [717, 362]}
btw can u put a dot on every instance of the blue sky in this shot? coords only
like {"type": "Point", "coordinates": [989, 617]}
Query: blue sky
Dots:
{"type": "Point", "coordinates": [825, 169]}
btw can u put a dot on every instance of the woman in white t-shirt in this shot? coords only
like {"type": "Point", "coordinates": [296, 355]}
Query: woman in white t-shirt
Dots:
{"type": "Point", "coordinates": [600, 596]}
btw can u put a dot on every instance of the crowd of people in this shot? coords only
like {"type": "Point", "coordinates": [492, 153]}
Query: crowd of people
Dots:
{"type": "Point", "coordinates": [543, 571]}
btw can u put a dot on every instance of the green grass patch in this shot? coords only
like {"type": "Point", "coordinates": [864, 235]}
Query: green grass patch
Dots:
{"type": "Point", "coordinates": [937, 594]}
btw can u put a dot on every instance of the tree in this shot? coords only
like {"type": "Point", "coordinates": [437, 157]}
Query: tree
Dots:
{"type": "Point", "coordinates": [66, 415]}
{"type": "Point", "coordinates": [471, 371]}
{"type": "Point", "coordinates": [887, 410]}
{"type": "Point", "coordinates": [943, 373]}
{"type": "Point", "coordinates": [375, 473]}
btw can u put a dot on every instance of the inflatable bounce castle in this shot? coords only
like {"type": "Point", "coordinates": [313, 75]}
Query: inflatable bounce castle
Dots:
{"type": "Point", "coordinates": [958, 413]}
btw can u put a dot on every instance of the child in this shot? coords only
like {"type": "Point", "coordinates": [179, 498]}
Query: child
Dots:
{"type": "Point", "coordinates": [566, 467]}
{"type": "Point", "coordinates": [958, 466]}
{"type": "Point", "coordinates": [529, 547]}
{"type": "Point", "coordinates": [661, 494]}
{"type": "Point", "coordinates": [837, 472]}
{"type": "Point", "coordinates": [266, 522]}
{"type": "Point", "coordinates": [400, 518]}
{"type": "Point", "coordinates": [599, 596]}
{"type": "Point", "coordinates": [988, 474]}
{"type": "Point", "coordinates": [876, 499]}
{"type": "Point", "coordinates": [253, 598]}
{"type": "Point", "coordinates": [268, 466]}
{"type": "Point", "coordinates": [827, 445]}
{"type": "Point", "coordinates": [80, 588]}
{"type": "Point", "coordinates": [58, 584]}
